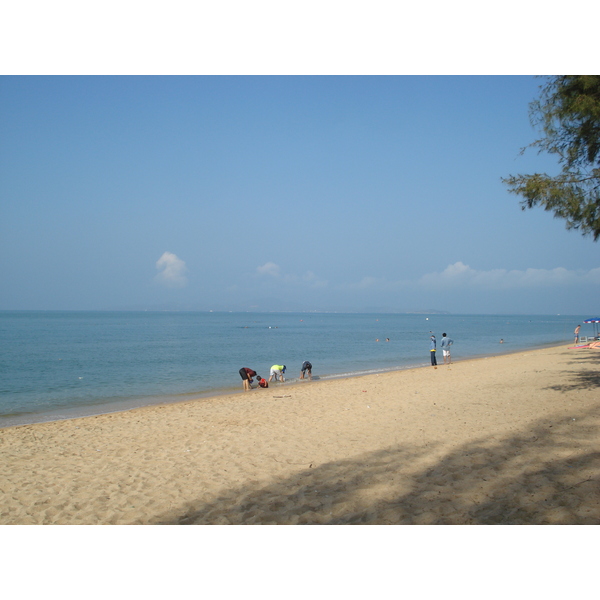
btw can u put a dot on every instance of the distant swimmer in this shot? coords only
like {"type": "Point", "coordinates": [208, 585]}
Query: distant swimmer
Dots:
{"type": "Point", "coordinates": [501, 341]}
{"type": "Point", "coordinates": [247, 374]}
{"type": "Point", "coordinates": [387, 339]}
{"type": "Point", "coordinates": [306, 368]}
{"type": "Point", "coordinates": [277, 371]}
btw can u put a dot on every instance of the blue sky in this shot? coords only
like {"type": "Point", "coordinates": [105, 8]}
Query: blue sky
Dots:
{"type": "Point", "coordinates": [279, 193]}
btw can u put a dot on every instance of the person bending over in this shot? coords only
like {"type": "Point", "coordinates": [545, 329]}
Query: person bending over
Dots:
{"type": "Point", "coordinates": [277, 371]}
{"type": "Point", "coordinates": [247, 374]}
{"type": "Point", "coordinates": [306, 368]}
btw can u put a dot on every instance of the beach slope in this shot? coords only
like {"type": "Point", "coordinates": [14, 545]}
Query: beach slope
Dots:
{"type": "Point", "coordinates": [511, 439]}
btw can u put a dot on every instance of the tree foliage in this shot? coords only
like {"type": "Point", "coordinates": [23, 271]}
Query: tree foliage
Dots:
{"type": "Point", "coordinates": [568, 112]}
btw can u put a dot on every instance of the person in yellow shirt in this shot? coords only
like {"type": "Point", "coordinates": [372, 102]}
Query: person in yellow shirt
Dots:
{"type": "Point", "coordinates": [277, 371]}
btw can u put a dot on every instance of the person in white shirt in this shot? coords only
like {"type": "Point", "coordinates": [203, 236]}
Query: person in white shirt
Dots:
{"type": "Point", "coordinates": [445, 345]}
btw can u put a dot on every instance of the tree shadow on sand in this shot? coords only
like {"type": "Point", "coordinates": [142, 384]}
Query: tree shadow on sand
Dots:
{"type": "Point", "coordinates": [548, 474]}
{"type": "Point", "coordinates": [584, 378]}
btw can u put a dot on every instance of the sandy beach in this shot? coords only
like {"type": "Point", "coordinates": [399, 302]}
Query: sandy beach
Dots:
{"type": "Point", "coordinates": [511, 439]}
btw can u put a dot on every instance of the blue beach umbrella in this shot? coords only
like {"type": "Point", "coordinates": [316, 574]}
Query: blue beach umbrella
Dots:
{"type": "Point", "coordinates": [595, 322]}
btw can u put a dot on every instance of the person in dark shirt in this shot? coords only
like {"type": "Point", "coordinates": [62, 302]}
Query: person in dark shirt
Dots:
{"type": "Point", "coordinates": [247, 374]}
{"type": "Point", "coordinates": [432, 350]}
{"type": "Point", "coordinates": [306, 366]}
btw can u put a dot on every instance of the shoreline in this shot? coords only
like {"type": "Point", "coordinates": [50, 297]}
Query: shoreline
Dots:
{"type": "Point", "coordinates": [507, 439]}
{"type": "Point", "coordinates": [104, 408]}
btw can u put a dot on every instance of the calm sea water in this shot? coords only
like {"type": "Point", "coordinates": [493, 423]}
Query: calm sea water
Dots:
{"type": "Point", "coordinates": [56, 365]}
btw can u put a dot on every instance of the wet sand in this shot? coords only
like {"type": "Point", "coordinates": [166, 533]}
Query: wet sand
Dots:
{"type": "Point", "coordinates": [511, 439]}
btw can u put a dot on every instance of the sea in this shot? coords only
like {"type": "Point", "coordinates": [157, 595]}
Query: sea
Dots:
{"type": "Point", "coordinates": [57, 365]}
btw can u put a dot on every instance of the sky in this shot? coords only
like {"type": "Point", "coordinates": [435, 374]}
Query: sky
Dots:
{"type": "Point", "coordinates": [314, 157]}
{"type": "Point", "coordinates": [346, 193]}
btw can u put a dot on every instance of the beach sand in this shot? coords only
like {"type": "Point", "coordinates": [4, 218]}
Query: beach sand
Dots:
{"type": "Point", "coordinates": [511, 439]}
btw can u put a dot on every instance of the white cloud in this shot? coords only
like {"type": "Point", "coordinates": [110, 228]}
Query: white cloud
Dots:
{"type": "Point", "coordinates": [172, 270]}
{"type": "Point", "coordinates": [309, 279]}
{"type": "Point", "coordinates": [461, 275]}
{"type": "Point", "coordinates": [593, 276]}
{"type": "Point", "coordinates": [269, 268]}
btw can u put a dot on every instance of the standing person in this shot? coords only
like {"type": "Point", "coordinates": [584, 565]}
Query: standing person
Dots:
{"type": "Point", "coordinates": [277, 370]}
{"type": "Point", "coordinates": [446, 343]}
{"type": "Point", "coordinates": [306, 366]}
{"type": "Point", "coordinates": [577, 330]}
{"type": "Point", "coordinates": [433, 349]}
{"type": "Point", "coordinates": [247, 374]}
